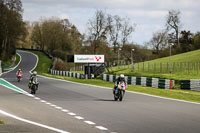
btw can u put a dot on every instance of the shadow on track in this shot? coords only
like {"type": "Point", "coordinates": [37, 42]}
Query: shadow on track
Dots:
{"type": "Point", "coordinates": [106, 100]}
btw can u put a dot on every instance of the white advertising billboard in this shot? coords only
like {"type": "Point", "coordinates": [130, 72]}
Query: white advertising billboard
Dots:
{"type": "Point", "coordinates": [88, 58]}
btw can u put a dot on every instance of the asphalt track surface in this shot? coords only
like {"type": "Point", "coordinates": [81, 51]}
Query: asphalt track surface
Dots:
{"type": "Point", "coordinates": [135, 114]}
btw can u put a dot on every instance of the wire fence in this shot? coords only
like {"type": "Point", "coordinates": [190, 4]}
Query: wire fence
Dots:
{"type": "Point", "coordinates": [160, 67]}
{"type": "Point", "coordinates": [175, 67]}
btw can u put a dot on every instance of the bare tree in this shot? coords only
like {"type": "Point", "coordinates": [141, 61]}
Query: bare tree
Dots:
{"type": "Point", "coordinates": [158, 41]}
{"type": "Point", "coordinates": [97, 29]}
{"type": "Point", "coordinates": [127, 30]}
{"type": "Point", "coordinates": [115, 27]}
{"type": "Point", "coordinates": [173, 23]}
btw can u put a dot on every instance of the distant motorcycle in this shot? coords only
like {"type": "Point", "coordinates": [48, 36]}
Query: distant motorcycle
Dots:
{"type": "Point", "coordinates": [34, 86]}
{"type": "Point", "coordinates": [19, 77]}
{"type": "Point", "coordinates": [119, 91]}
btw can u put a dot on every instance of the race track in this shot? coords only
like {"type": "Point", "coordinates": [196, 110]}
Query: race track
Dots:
{"type": "Point", "coordinates": [136, 114]}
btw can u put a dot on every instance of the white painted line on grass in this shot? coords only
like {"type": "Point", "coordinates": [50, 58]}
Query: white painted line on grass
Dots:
{"type": "Point", "coordinates": [72, 114]}
{"type": "Point", "coordinates": [79, 117]}
{"type": "Point", "coordinates": [102, 128]}
{"type": "Point", "coordinates": [33, 123]}
{"type": "Point", "coordinates": [89, 122]}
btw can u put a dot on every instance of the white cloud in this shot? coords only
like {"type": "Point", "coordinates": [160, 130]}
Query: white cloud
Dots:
{"type": "Point", "coordinates": [63, 16]}
{"type": "Point", "coordinates": [149, 15]}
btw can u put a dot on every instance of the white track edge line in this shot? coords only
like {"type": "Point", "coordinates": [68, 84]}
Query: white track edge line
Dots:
{"type": "Point", "coordinates": [31, 122]}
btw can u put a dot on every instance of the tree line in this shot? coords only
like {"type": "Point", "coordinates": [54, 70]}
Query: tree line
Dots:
{"type": "Point", "coordinates": [12, 27]}
{"type": "Point", "coordinates": [106, 34]}
{"type": "Point", "coordinates": [173, 36]}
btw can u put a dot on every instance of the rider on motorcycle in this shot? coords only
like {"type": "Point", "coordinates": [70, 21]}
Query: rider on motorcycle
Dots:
{"type": "Point", "coordinates": [19, 72]}
{"type": "Point", "coordinates": [121, 78]}
{"type": "Point", "coordinates": [33, 78]}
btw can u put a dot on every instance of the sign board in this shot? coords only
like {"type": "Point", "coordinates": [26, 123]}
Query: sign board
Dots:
{"type": "Point", "coordinates": [88, 58]}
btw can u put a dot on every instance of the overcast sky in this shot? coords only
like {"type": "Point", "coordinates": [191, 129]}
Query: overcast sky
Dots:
{"type": "Point", "coordinates": [148, 15]}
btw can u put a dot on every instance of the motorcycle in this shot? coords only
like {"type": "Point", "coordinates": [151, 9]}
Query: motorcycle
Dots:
{"type": "Point", "coordinates": [19, 77]}
{"type": "Point", "coordinates": [34, 86]}
{"type": "Point", "coordinates": [119, 91]}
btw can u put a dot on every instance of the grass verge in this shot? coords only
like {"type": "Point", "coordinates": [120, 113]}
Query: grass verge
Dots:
{"type": "Point", "coordinates": [183, 67]}
{"type": "Point", "coordinates": [8, 65]}
{"type": "Point", "coordinates": [44, 62]}
{"type": "Point", "coordinates": [187, 95]}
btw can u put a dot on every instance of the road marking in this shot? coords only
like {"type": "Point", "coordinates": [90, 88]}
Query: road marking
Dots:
{"type": "Point", "coordinates": [72, 114]}
{"type": "Point", "coordinates": [48, 103]}
{"type": "Point", "coordinates": [89, 122]}
{"type": "Point", "coordinates": [33, 123]}
{"type": "Point", "coordinates": [42, 101]}
{"type": "Point", "coordinates": [64, 110]}
{"type": "Point", "coordinates": [37, 98]}
{"type": "Point", "coordinates": [57, 107]}
{"type": "Point", "coordinates": [53, 105]}
{"type": "Point", "coordinates": [7, 84]}
{"type": "Point", "coordinates": [102, 128]}
{"type": "Point", "coordinates": [79, 117]}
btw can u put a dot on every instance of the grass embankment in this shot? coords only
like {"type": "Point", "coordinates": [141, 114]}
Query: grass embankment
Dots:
{"type": "Point", "coordinates": [44, 63]}
{"type": "Point", "coordinates": [182, 66]}
{"type": "Point", "coordinates": [8, 65]}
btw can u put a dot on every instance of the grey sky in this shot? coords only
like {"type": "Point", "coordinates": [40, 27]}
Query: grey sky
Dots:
{"type": "Point", "coordinates": [148, 15]}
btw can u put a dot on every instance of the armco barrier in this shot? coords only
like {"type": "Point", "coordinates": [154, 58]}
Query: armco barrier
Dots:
{"type": "Point", "coordinates": [144, 81]}
{"type": "Point", "coordinates": [192, 84]}
{"type": "Point", "coordinates": [66, 74]}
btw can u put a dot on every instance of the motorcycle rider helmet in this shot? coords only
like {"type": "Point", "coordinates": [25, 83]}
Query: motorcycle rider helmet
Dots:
{"type": "Point", "coordinates": [35, 73]}
{"type": "Point", "coordinates": [121, 76]}
{"type": "Point", "coordinates": [20, 69]}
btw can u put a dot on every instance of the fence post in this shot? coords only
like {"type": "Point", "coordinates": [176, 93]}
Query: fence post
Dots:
{"type": "Point", "coordinates": [143, 66]}
{"type": "Point", "coordinates": [160, 67]}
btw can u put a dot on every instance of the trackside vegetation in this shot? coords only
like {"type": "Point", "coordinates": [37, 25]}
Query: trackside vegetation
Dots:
{"type": "Point", "coordinates": [178, 67]}
{"type": "Point", "coordinates": [44, 62]}
{"type": "Point", "coordinates": [176, 93]}
{"type": "Point", "coordinates": [10, 64]}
